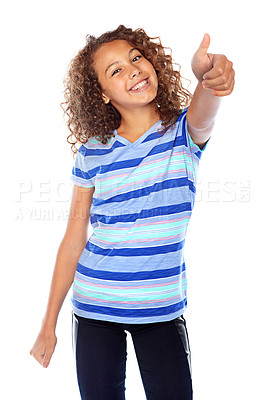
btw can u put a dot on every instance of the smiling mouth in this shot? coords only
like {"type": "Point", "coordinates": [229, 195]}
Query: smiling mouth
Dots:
{"type": "Point", "coordinates": [139, 85]}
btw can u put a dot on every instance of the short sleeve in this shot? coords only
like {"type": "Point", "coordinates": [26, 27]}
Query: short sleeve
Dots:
{"type": "Point", "coordinates": [192, 151]}
{"type": "Point", "coordinates": [193, 147]}
{"type": "Point", "coordinates": [82, 168]}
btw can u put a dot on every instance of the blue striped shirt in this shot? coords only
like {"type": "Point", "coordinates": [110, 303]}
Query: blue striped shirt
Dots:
{"type": "Point", "coordinates": [132, 269]}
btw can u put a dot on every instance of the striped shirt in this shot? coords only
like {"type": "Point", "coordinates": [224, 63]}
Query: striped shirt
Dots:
{"type": "Point", "coordinates": [132, 269]}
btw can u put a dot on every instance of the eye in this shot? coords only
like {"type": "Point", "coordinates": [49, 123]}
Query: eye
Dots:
{"type": "Point", "coordinates": [136, 58]}
{"type": "Point", "coordinates": [115, 71]}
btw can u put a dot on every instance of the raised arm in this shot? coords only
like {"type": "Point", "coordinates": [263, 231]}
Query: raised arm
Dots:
{"type": "Point", "coordinates": [216, 78]}
{"type": "Point", "coordinates": [72, 245]}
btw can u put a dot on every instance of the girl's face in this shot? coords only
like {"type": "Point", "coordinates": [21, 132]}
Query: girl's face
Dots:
{"type": "Point", "coordinates": [127, 78]}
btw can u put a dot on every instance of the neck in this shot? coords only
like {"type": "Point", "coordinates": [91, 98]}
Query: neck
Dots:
{"type": "Point", "coordinates": [138, 120]}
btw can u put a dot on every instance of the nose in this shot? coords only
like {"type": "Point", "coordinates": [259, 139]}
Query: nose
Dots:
{"type": "Point", "coordinates": [135, 72]}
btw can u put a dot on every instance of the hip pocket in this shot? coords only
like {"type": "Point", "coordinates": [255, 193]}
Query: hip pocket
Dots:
{"type": "Point", "coordinates": [75, 324]}
{"type": "Point", "coordinates": [180, 324]}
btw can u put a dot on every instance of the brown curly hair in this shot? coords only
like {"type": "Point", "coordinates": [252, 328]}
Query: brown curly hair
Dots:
{"type": "Point", "coordinates": [88, 115]}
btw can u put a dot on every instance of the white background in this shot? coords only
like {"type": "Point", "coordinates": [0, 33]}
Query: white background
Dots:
{"type": "Point", "coordinates": [225, 247]}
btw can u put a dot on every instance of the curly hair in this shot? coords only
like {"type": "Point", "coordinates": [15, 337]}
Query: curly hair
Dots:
{"type": "Point", "coordinates": [88, 115]}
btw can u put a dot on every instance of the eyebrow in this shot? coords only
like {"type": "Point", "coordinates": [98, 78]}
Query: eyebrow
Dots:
{"type": "Point", "coordinates": [117, 62]}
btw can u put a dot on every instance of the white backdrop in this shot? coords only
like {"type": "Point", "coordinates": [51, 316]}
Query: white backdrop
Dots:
{"type": "Point", "coordinates": [225, 249]}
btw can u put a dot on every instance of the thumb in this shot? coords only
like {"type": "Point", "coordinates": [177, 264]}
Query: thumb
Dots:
{"type": "Point", "coordinates": [46, 361]}
{"type": "Point", "coordinates": [47, 357]}
{"type": "Point", "coordinates": [205, 43]}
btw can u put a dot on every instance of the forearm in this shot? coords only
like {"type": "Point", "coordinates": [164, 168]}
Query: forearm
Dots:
{"type": "Point", "coordinates": [203, 109]}
{"type": "Point", "coordinates": [63, 276]}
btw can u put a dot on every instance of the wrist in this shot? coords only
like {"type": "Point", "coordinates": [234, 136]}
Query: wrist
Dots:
{"type": "Point", "coordinates": [48, 325]}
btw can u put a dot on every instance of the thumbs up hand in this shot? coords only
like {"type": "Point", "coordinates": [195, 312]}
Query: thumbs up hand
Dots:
{"type": "Point", "coordinates": [214, 71]}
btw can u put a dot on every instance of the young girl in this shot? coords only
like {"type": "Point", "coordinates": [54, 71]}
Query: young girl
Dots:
{"type": "Point", "coordinates": [142, 135]}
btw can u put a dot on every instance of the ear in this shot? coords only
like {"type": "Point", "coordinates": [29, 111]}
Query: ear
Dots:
{"type": "Point", "coordinates": [105, 98]}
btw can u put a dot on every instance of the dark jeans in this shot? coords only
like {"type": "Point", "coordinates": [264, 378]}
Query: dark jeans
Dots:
{"type": "Point", "coordinates": [162, 351]}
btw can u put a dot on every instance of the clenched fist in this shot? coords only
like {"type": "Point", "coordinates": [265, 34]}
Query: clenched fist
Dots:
{"type": "Point", "coordinates": [215, 71]}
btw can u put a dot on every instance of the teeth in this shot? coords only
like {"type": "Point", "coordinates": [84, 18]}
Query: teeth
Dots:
{"type": "Point", "coordinates": [140, 85]}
